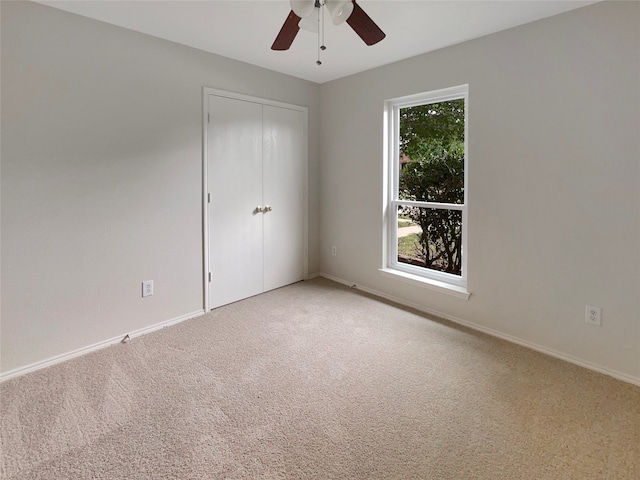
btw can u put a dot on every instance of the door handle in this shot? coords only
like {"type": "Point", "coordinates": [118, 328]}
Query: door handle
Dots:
{"type": "Point", "coordinates": [267, 208]}
{"type": "Point", "coordinates": [259, 209]}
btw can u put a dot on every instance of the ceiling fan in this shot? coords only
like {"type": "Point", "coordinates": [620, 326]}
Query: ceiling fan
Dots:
{"type": "Point", "coordinates": [340, 11]}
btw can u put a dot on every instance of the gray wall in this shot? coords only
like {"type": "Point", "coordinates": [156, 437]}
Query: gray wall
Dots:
{"type": "Point", "coordinates": [101, 177]}
{"type": "Point", "coordinates": [554, 182]}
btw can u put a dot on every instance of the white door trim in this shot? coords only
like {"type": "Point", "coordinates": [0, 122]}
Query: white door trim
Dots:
{"type": "Point", "coordinates": [206, 91]}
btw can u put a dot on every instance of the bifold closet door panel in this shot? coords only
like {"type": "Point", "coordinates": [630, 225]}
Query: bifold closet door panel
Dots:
{"type": "Point", "coordinates": [234, 164]}
{"type": "Point", "coordinates": [283, 191]}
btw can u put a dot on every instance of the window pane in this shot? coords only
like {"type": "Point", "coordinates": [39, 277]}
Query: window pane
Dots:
{"type": "Point", "coordinates": [431, 149]}
{"type": "Point", "coordinates": [430, 238]}
{"type": "Point", "coordinates": [409, 240]}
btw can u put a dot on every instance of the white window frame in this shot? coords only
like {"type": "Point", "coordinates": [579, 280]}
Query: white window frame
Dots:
{"type": "Point", "coordinates": [441, 281]}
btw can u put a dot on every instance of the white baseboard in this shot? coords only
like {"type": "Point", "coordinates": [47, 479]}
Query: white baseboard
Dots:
{"type": "Point", "coordinates": [96, 346]}
{"type": "Point", "coordinates": [494, 333]}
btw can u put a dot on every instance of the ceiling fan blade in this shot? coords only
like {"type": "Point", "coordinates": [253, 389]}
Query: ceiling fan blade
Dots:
{"type": "Point", "coordinates": [287, 33]}
{"type": "Point", "coordinates": [362, 24]}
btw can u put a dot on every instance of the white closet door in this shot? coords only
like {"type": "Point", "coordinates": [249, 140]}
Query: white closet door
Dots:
{"type": "Point", "coordinates": [234, 157]}
{"type": "Point", "coordinates": [283, 190]}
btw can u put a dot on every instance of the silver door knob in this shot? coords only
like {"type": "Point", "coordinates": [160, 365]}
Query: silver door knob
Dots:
{"type": "Point", "coordinates": [267, 208]}
{"type": "Point", "coordinates": [259, 209]}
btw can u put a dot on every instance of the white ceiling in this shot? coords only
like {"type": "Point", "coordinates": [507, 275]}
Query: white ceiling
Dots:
{"type": "Point", "coordinates": [245, 29]}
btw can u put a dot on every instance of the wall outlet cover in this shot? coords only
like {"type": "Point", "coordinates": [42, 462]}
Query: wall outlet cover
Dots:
{"type": "Point", "coordinates": [147, 288]}
{"type": "Point", "coordinates": [593, 315]}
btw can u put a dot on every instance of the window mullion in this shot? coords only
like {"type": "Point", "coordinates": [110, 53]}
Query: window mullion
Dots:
{"type": "Point", "coordinates": [439, 206]}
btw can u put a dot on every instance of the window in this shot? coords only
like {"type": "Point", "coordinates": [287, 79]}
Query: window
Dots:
{"type": "Point", "coordinates": [426, 181]}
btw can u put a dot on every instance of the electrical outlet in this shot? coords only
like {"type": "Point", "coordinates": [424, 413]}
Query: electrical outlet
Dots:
{"type": "Point", "coordinates": [334, 251]}
{"type": "Point", "coordinates": [593, 315]}
{"type": "Point", "coordinates": [147, 288]}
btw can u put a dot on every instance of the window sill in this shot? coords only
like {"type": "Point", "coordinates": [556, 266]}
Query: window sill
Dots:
{"type": "Point", "coordinates": [435, 285]}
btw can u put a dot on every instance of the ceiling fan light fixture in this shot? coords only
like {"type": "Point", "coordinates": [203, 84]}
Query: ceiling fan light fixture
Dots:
{"type": "Point", "coordinates": [339, 10]}
{"type": "Point", "coordinates": [302, 8]}
{"type": "Point", "coordinates": [309, 24]}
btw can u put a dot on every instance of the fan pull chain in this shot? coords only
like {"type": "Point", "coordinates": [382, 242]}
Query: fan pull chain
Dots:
{"type": "Point", "coordinates": [321, 46]}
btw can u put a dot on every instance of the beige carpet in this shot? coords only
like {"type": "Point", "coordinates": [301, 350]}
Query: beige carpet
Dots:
{"type": "Point", "coordinates": [317, 381]}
